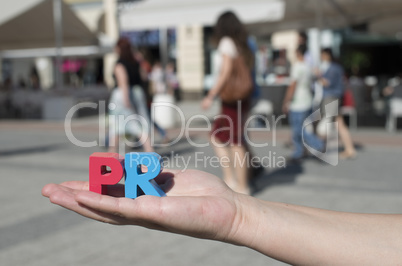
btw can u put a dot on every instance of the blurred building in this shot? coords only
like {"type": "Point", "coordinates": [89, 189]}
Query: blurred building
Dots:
{"type": "Point", "coordinates": [50, 49]}
{"type": "Point", "coordinates": [364, 34]}
{"type": "Point", "coordinates": [84, 43]}
{"type": "Point", "coordinates": [350, 27]}
{"type": "Point", "coordinates": [91, 12]}
{"type": "Point", "coordinates": [183, 30]}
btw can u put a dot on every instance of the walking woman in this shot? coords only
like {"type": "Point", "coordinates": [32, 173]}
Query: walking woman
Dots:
{"type": "Point", "coordinates": [227, 135]}
{"type": "Point", "coordinates": [127, 107]}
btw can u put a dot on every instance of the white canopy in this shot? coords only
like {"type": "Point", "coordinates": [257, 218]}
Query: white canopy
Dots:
{"type": "Point", "coordinates": [153, 14]}
{"type": "Point", "coordinates": [302, 14]}
{"type": "Point", "coordinates": [27, 24]}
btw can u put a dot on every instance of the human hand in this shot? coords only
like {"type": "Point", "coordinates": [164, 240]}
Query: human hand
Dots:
{"type": "Point", "coordinates": [324, 82]}
{"type": "Point", "coordinates": [198, 204]}
{"type": "Point", "coordinates": [206, 103]}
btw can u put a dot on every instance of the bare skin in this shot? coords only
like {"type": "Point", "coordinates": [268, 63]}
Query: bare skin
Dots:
{"type": "Point", "coordinates": [344, 134]}
{"type": "Point", "coordinates": [227, 66]}
{"type": "Point", "coordinates": [200, 205]}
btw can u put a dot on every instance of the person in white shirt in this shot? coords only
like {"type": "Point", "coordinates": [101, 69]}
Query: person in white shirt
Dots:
{"type": "Point", "coordinates": [227, 135]}
{"type": "Point", "coordinates": [156, 78]}
{"type": "Point", "coordinates": [298, 102]}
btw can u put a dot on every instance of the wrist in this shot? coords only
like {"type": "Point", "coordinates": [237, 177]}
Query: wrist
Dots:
{"type": "Point", "coordinates": [210, 97]}
{"type": "Point", "coordinates": [249, 220]}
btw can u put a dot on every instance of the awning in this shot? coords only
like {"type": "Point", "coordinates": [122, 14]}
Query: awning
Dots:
{"type": "Point", "coordinates": [152, 14]}
{"type": "Point", "coordinates": [28, 24]}
{"type": "Point", "coordinates": [389, 25]}
{"type": "Point", "coordinates": [302, 14]}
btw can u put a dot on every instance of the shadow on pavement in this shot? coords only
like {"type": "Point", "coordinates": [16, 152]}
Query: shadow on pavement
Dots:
{"type": "Point", "coordinates": [277, 176]}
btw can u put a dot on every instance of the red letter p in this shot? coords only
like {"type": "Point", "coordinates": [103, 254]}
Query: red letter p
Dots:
{"type": "Point", "coordinates": [99, 177]}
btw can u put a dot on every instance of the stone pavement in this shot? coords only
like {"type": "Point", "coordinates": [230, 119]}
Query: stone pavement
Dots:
{"type": "Point", "coordinates": [35, 232]}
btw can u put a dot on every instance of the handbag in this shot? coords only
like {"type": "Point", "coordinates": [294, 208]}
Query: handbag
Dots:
{"type": "Point", "coordinates": [239, 85]}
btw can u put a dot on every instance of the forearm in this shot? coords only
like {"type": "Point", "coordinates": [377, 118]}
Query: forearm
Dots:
{"type": "Point", "coordinates": [301, 235]}
{"type": "Point", "coordinates": [216, 89]}
{"type": "Point", "coordinates": [224, 75]}
{"type": "Point", "coordinates": [214, 92]}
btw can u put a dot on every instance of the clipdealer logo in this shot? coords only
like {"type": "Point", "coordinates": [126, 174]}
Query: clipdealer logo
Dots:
{"type": "Point", "coordinates": [271, 159]}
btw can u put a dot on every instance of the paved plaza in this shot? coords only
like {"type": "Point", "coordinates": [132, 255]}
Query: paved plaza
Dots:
{"type": "Point", "coordinates": [35, 232]}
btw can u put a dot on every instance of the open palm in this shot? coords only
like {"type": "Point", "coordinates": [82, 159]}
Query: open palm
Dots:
{"type": "Point", "coordinates": [197, 204]}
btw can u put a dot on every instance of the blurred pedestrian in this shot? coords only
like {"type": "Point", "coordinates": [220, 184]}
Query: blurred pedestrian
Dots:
{"type": "Point", "coordinates": [127, 107]}
{"type": "Point", "coordinates": [393, 97]}
{"type": "Point", "coordinates": [302, 40]}
{"type": "Point", "coordinates": [332, 81]}
{"type": "Point", "coordinates": [281, 64]}
{"type": "Point", "coordinates": [227, 135]}
{"type": "Point", "coordinates": [34, 79]}
{"type": "Point", "coordinates": [158, 87]}
{"type": "Point", "coordinates": [145, 70]}
{"type": "Point", "coordinates": [255, 168]}
{"type": "Point", "coordinates": [7, 89]}
{"type": "Point", "coordinates": [156, 77]}
{"type": "Point", "coordinates": [298, 102]}
{"type": "Point", "coordinates": [330, 77]}
{"type": "Point", "coordinates": [172, 81]}
{"type": "Point", "coordinates": [302, 43]}
{"type": "Point", "coordinates": [393, 88]}
{"type": "Point", "coordinates": [349, 148]}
